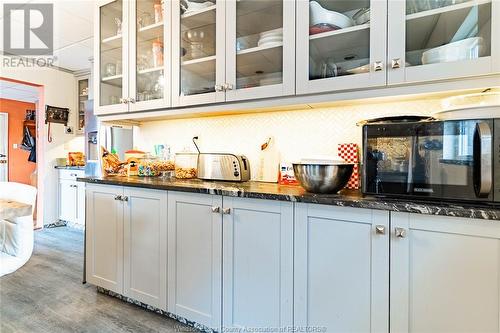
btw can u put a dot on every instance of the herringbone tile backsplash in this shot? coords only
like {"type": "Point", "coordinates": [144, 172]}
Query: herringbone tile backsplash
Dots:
{"type": "Point", "coordinates": [298, 134]}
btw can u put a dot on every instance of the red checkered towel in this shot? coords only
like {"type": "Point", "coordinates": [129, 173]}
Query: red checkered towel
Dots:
{"type": "Point", "coordinates": [349, 152]}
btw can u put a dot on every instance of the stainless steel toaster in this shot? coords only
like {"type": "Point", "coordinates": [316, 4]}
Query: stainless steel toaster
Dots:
{"type": "Point", "coordinates": [222, 166]}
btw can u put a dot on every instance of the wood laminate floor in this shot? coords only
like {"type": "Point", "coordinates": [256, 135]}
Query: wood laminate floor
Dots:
{"type": "Point", "coordinates": [47, 295]}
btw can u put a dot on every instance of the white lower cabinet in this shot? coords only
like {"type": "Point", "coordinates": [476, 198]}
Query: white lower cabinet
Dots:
{"type": "Point", "coordinates": [257, 264]}
{"type": "Point", "coordinates": [194, 257]}
{"type": "Point", "coordinates": [145, 246]}
{"type": "Point", "coordinates": [341, 269]}
{"type": "Point", "coordinates": [104, 237]}
{"type": "Point", "coordinates": [444, 274]}
{"type": "Point", "coordinates": [126, 242]}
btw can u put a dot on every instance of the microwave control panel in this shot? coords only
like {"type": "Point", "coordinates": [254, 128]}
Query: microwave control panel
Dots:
{"type": "Point", "coordinates": [496, 160]}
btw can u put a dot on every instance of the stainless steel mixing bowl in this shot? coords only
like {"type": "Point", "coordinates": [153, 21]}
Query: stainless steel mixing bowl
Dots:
{"type": "Point", "coordinates": [323, 178]}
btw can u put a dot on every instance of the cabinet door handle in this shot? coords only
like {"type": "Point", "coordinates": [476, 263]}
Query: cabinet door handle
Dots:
{"type": "Point", "coordinates": [400, 232]}
{"type": "Point", "coordinates": [118, 197]}
{"type": "Point", "coordinates": [380, 229]}
{"type": "Point", "coordinates": [396, 63]}
{"type": "Point", "coordinates": [75, 186]}
{"type": "Point", "coordinates": [219, 88]}
{"type": "Point", "coordinates": [131, 100]}
{"type": "Point", "coordinates": [73, 174]}
{"type": "Point", "coordinates": [226, 211]}
{"type": "Point", "coordinates": [228, 86]}
{"type": "Point", "coordinates": [215, 209]}
{"type": "Point", "coordinates": [378, 66]}
{"type": "Point", "coordinates": [125, 198]}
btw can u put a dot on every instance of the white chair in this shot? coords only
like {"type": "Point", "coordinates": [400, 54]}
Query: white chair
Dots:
{"type": "Point", "coordinates": [16, 235]}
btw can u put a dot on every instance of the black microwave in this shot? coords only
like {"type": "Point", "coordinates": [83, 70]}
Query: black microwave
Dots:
{"type": "Point", "coordinates": [450, 159]}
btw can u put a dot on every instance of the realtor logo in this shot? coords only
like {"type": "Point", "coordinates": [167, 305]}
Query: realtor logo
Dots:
{"type": "Point", "coordinates": [28, 29]}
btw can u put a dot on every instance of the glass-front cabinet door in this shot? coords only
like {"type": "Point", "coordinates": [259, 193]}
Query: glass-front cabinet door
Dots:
{"type": "Point", "coordinates": [260, 42]}
{"type": "Point", "coordinates": [198, 51]}
{"type": "Point", "coordinates": [341, 44]}
{"type": "Point", "coordinates": [150, 71]}
{"type": "Point", "coordinates": [442, 39]}
{"type": "Point", "coordinates": [111, 57]}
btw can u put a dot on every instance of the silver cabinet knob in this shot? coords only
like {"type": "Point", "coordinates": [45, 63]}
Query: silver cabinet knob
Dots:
{"type": "Point", "coordinates": [215, 209]}
{"type": "Point", "coordinates": [131, 100]}
{"type": "Point", "coordinates": [378, 66]}
{"type": "Point", "coordinates": [396, 63]}
{"type": "Point", "coordinates": [118, 197]}
{"type": "Point", "coordinates": [228, 86]}
{"type": "Point", "coordinates": [400, 232]}
{"type": "Point", "coordinates": [226, 211]}
{"type": "Point", "coordinates": [380, 229]}
{"type": "Point", "coordinates": [125, 198]}
{"type": "Point", "coordinates": [219, 88]}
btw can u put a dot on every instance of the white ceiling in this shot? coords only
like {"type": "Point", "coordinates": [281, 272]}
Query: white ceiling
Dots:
{"type": "Point", "coordinates": [73, 31]}
{"type": "Point", "coordinates": [18, 91]}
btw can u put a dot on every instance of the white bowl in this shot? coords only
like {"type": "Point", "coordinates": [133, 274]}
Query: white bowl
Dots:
{"type": "Point", "coordinates": [272, 33]}
{"type": "Point", "coordinates": [196, 6]}
{"type": "Point", "coordinates": [469, 48]}
{"type": "Point", "coordinates": [319, 15]}
{"type": "Point", "coordinates": [270, 40]}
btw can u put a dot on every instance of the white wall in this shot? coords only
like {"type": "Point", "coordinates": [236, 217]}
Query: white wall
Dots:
{"type": "Point", "coordinates": [298, 134]}
{"type": "Point", "coordinates": [59, 90]}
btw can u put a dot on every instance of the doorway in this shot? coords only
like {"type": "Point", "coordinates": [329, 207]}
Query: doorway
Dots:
{"type": "Point", "coordinates": [4, 147]}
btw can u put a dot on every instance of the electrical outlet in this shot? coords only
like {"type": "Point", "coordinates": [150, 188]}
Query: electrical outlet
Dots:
{"type": "Point", "coordinates": [15, 146]}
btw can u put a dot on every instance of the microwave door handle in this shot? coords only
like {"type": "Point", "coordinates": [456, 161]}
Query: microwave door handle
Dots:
{"type": "Point", "coordinates": [411, 164]}
{"type": "Point", "coordinates": [483, 171]}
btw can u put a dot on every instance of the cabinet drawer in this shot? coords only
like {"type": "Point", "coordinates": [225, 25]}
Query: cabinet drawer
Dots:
{"type": "Point", "coordinates": [71, 174]}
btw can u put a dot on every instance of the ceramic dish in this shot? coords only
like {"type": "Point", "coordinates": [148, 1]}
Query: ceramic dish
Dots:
{"type": "Point", "coordinates": [270, 41]}
{"type": "Point", "coordinates": [272, 33]}
{"type": "Point", "coordinates": [320, 15]}
{"type": "Point", "coordinates": [469, 48]}
{"type": "Point", "coordinates": [196, 6]}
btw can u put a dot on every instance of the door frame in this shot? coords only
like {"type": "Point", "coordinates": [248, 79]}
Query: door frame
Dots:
{"type": "Point", "coordinates": [6, 131]}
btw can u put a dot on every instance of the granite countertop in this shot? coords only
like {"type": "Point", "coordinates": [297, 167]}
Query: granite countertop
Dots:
{"type": "Point", "coordinates": [271, 191]}
{"type": "Point", "coordinates": [70, 167]}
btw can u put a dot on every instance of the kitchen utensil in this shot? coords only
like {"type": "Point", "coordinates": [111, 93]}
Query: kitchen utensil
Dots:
{"type": "Point", "coordinates": [469, 48]}
{"type": "Point", "coordinates": [323, 176]}
{"type": "Point", "coordinates": [362, 16]}
{"type": "Point", "coordinates": [487, 98]}
{"type": "Point", "coordinates": [269, 161]}
{"type": "Point", "coordinates": [158, 10]}
{"type": "Point", "coordinates": [157, 49]}
{"type": "Point", "coordinates": [222, 166]}
{"type": "Point", "coordinates": [109, 69]}
{"type": "Point", "coordinates": [192, 6]}
{"type": "Point", "coordinates": [145, 20]}
{"type": "Point", "coordinates": [318, 15]}
{"type": "Point", "coordinates": [322, 27]}
{"type": "Point", "coordinates": [118, 23]}
{"type": "Point", "coordinates": [186, 164]}
{"type": "Point", "coordinates": [468, 28]}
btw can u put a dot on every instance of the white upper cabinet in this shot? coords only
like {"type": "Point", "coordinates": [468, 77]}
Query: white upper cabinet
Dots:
{"type": "Point", "coordinates": [150, 70]}
{"type": "Point", "coordinates": [152, 54]}
{"type": "Point", "coordinates": [442, 39]}
{"type": "Point", "coordinates": [260, 44]}
{"type": "Point", "coordinates": [198, 52]}
{"type": "Point", "coordinates": [111, 56]}
{"type": "Point", "coordinates": [132, 56]}
{"type": "Point", "coordinates": [340, 44]}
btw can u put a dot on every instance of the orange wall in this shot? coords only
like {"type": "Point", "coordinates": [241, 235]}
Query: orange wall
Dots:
{"type": "Point", "coordinates": [19, 167]}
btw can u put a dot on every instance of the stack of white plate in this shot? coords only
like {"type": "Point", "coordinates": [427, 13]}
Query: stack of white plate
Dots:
{"type": "Point", "coordinates": [465, 49]}
{"type": "Point", "coordinates": [271, 37]}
